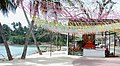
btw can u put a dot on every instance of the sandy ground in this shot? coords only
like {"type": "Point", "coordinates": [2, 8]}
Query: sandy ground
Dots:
{"type": "Point", "coordinates": [60, 58]}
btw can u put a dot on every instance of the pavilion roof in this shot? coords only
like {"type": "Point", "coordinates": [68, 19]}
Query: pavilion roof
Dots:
{"type": "Point", "coordinates": [83, 21]}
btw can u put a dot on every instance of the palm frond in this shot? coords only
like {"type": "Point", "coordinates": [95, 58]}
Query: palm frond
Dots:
{"type": "Point", "coordinates": [6, 6]}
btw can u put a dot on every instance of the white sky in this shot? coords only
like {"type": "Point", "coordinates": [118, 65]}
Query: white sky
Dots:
{"type": "Point", "coordinates": [19, 16]}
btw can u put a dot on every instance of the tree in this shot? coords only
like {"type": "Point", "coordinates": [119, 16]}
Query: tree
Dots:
{"type": "Point", "coordinates": [5, 43]}
{"type": "Point", "coordinates": [7, 31]}
{"type": "Point", "coordinates": [15, 27]}
{"type": "Point", "coordinates": [30, 30]}
{"type": "Point", "coordinates": [18, 33]}
{"type": "Point", "coordinates": [101, 8]}
{"type": "Point", "coordinates": [18, 29]}
{"type": "Point", "coordinates": [5, 7]}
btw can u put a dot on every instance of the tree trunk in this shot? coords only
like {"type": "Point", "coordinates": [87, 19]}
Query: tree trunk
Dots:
{"type": "Point", "coordinates": [39, 51]}
{"type": "Point", "coordinates": [51, 38]}
{"type": "Point", "coordinates": [60, 47]}
{"type": "Point", "coordinates": [37, 45]}
{"type": "Point", "coordinates": [5, 43]}
{"type": "Point", "coordinates": [57, 41]}
{"type": "Point", "coordinates": [27, 40]}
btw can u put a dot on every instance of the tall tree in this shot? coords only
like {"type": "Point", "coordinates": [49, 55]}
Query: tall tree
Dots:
{"type": "Point", "coordinates": [5, 7]}
{"type": "Point", "coordinates": [30, 30]}
{"type": "Point", "coordinates": [5, 43]}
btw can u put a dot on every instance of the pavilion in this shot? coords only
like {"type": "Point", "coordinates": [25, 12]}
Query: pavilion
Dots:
{"type": "Point", "coordinates": [91, 48]}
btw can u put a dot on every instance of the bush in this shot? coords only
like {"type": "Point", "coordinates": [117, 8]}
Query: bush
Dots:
{"type": "Point", "coordinates": [59, 42]}
{"type": "Point", "coordinates": [17, 39]}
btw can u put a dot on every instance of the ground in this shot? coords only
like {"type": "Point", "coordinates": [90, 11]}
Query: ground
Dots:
{"type": "Point", "coordinates": [59, 58]}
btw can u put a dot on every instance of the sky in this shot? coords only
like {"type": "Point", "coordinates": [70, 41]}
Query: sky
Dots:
{"type": "Point", "coordinates": [19, 16]}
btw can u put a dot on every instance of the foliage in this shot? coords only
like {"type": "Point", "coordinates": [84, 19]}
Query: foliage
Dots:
{"type": "Point", "coordinates": [7, 31]}
{"type": "Point", "coordinates": [61, 39]}
{"type": "Point", "coordinates": [7, 5]}
{"type": "Point", "coordinates": [1, 41]}
{"type": "Point", "coordinates": [17, 34]}
{"type": "Point", "coordinates": [17, 39]}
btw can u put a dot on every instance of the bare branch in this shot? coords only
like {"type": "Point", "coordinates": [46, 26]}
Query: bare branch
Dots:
{"type": "Point", "coordinates": [102, 7]}
{"type": "Point", "coordinates": [83, 9]}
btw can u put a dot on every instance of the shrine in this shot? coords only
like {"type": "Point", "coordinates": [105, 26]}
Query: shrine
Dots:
{"type": "Point", "coordinates": [87, 46]}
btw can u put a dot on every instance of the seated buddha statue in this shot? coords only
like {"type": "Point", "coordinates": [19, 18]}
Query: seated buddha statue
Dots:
{"type": "Point", "coordinates": [89, 43]}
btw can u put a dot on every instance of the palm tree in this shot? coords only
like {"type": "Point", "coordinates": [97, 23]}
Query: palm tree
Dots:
{"type": "Point", "coordinates": [28, 34]}
{"type": "Point", "coordinates": [5, 43]}
{"type": "Point", "coordinates": [30, 29]}
{"type": "Point", "coordinates": [5, 7]}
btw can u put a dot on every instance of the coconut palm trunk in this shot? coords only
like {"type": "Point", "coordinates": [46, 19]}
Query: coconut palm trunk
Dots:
{"type": "Point", "coordinates": [37, 45]}
{"type": "Point", "coordinates": [28, 35]}
{"type": "Point", "coordinates": [5, 43]}
{"type": "Point", "coordinates": [26, 41]}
